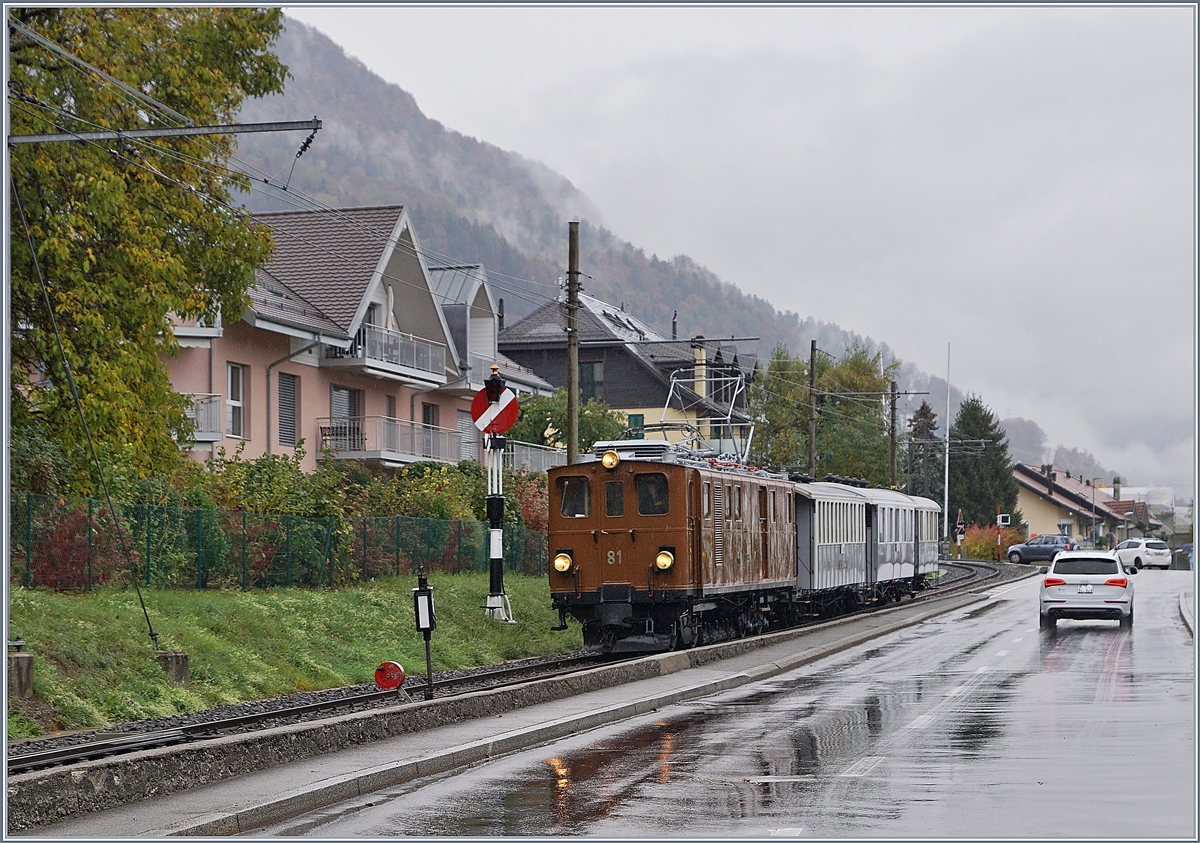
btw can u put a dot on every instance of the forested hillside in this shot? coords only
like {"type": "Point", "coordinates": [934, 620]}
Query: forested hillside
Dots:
{"type": "Point", "coordinates": [474, 202]}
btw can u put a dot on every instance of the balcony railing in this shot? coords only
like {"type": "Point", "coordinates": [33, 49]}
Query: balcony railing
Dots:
{"type": "Point", "coordinates": [523, 455]}
{"type": "Point", "coordinates": [388, 439]}
{"type": "Point", "coordinates": [376, 344]}
{"type": "Point", "coordinates": [205, 416]}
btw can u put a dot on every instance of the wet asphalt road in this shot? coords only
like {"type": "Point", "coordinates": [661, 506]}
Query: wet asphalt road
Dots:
{"type": "Point", "coordinates": [973, 724]}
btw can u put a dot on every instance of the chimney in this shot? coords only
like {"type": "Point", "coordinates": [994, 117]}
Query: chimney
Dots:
{"type": "Point", "coordinates": [1116, 488]}
{"type": "Point", "coordinates": [700, 366]}
{"type": "Point", "coordinates": [500, 315]}
{"type": "Point", "coordinates": [675, 325]}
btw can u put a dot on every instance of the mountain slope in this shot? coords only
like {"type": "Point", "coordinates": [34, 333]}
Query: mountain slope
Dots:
{"type": "Point", "coordinates": [473, 202]}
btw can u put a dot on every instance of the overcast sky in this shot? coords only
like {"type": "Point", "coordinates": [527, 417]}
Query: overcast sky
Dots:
{"type": "Point", "coordinates": [1018, 183]}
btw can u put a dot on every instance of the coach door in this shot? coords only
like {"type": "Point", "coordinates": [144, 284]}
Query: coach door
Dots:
{"type": "Point", "coordinates": [804, 541]}
{"type": "Point", "coordinates": [764, 534]}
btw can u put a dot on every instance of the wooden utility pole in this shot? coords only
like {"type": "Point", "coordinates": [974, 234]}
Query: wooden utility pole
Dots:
{"type": "Point", "coordinates": [573, 344]}
{"type": "Point", "coordinates": [812, 411]}
{"type": "Point", "coordinates": [892, 434]}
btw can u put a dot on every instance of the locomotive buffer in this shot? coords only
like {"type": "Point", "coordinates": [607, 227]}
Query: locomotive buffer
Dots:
{"type": "Point", "coordinates": [494, 410]}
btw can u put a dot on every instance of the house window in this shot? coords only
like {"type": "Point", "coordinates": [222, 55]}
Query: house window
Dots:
{"type": "Point", "coordinates": [429, 414]}
{"type": "Point", "coordinates": [637, 421]}
{"type": "Point", "coordinates": [345, 403]}
{"type": "Point", "coordinates": [235, 401]}
{"type": "Point", "coordinates": [289, 401]}
{"type": "Point", "coordinates": [345, 417]}
{"type": "Point", "coordinates": [591, 380]}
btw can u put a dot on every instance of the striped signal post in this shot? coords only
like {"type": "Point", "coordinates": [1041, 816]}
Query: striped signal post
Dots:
{"type": "Point", "coordinates": [494, 410]}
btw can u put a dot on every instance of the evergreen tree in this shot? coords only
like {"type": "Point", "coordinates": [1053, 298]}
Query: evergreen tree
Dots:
{"type": "Point", "coordinates": [924, 454]}
{"type": "Point", "coordinates": [981, 478]}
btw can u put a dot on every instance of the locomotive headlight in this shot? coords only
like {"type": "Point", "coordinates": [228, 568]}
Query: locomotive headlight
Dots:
{"type": "Point", "coordinates": [610, 459]}
{"type": "Point", "coordinates": [562, 562]}
{"type": "Point", "coordinates": [664, 560]}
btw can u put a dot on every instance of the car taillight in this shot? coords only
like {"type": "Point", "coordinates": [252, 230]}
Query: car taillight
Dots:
{"type": "Point", "coordinates": [1118, 581]}
{"type": "Point", "coordinates": [1049, 581]}
{"type": "Point", "coordinates": [1068, 545]}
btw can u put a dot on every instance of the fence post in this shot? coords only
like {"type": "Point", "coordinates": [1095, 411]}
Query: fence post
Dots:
{"type": "Point", "coordinates": [149, 516]}
{"type": "Point", "coordinates": [28, 539]}
{"type": "Point", "coordinates": [364, 546]}
{"type": "Point", "coordinates": [245, 570]}
{"type": "Point", "coordinates": [458, 543]}
{"type": "Point", "coordinates": [90, 545]}
{"type": "Point", "coordinates": [287, 543]}
{"type": "Point", "coordinates": [396, 567]}
{"type": "Point", "coordinates": [199, 548]}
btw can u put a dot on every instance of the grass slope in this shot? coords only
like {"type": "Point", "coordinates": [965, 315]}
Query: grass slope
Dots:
{"type": "Point", "coordinates": [94, 665]}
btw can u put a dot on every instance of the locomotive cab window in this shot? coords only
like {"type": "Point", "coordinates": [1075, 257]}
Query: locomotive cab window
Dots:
{"type": "Point", "coordinates": [652, 494]}
{"type": "Point", "coordinates": [614, 499]}
{"type": "Point", "coordinates": [706, 501]}
{"type": "Point", "coordinates": [575, 496]}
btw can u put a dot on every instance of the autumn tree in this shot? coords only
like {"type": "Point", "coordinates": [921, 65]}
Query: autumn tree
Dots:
{"type": "Point", "coordinates": [779, 405]}
{"type": "Point", "coordinates": [543, 421]}
{"type": "Point", "coordinates": [126, 233]}
{"type": "Point", "coordinates": [852, 437]}
{"type": "Point", "coordinates": [981, 477]}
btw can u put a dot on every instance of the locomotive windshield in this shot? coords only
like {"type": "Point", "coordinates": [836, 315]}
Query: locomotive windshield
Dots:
{"type": "Point", "coordinates": [576, 497]}
{"type": "Point", "coordinates": [652, 494]}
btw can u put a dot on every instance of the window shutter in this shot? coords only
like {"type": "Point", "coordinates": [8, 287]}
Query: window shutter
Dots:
{"type": "Point", "coordinates": [288, 388]}
{"type": "Point", "coordinates": [468, 437]}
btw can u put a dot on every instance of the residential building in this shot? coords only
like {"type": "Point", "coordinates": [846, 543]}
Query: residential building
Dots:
{"type": "Point", "coordinates": [695, 383]}
{"type": "Point", "coordinates": [1052, 501]}
{"type": "Point", "coordinates": [351, 345]}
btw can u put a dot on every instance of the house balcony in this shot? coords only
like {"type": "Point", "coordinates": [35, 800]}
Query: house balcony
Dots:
{"type": "Point", "coordinates": [481, 370]}
{"type": "Point", "coordinates": [387, 441]}
{"type": "Point", "coordinates": [529, 457]}
{"type": "Point", "coordinates": [205, 416]}
{"type": "Point", "coordinates": [391, 354]}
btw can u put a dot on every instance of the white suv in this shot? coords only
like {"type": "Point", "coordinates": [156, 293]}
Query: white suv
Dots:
{"type": "Point", "coordinates": [1144, 553]}
{"type": "Point", "coordinates": [1086, 585]}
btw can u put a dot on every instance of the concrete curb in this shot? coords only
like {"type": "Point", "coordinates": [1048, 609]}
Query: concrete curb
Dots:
{"type": "Point", "coordinates": [338, 789]}
{"type": "Point", "coordinates": [1185, 610]}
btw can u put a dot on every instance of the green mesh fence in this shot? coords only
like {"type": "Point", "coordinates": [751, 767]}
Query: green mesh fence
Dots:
{"type": "Point", "coordinates": [73, 544]}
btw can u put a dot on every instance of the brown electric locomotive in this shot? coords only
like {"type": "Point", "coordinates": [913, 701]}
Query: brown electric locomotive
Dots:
{"type": "Point", "coordinates": [657, 547]}
{"type": "Point", "coordinates": [653, 549]}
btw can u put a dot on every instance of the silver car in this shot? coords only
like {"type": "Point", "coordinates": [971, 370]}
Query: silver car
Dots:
{"type": "Point", "coordinates": [1144, 553]}
{"type": "Point", "coordinates": [1086, 585]}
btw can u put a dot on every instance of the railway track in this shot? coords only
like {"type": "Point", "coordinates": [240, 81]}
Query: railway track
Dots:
{"type": "Point", "coordinates": [41, 754]}
{"type": "Point", "coordinates": [107, 746]}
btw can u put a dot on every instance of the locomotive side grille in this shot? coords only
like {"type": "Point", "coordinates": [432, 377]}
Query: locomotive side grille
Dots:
{"type": "Point", "coordinates": [718, 524]}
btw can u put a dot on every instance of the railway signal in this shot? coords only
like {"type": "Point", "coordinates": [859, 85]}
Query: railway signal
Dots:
{"type": "Point", "coordinates": [426, 623]}
{"type": "Point", "coordinates": [494, 410]}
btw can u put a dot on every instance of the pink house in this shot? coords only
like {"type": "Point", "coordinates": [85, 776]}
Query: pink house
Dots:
{"type": "Point", "coordinates": [352, 344]}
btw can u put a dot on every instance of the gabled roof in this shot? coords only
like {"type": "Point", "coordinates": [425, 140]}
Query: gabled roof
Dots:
{"type": "Point", "coordinates": [458, 284]}
{"type": "Point", "coordinates": [1070, 493]}
{"type": "Point", "coordinates": [330, 257]}
{"type": "Point", "coordinates": [600, 323]}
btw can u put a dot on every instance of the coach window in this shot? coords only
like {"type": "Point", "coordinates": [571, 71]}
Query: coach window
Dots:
{"type": "Point", "coordinates": [576, 497]}
{"type": "Point", "coordinates": [772, 506]}
{"type": "Point", "coordinates": [706, 504]}
{"type": "Point", "coordinates": [739, 503]}
{"type": "Point", "coordinates": [614, 499]}
{"type": "Point", "coordinates": [652, 494]}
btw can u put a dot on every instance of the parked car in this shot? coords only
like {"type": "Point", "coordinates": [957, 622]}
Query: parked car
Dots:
{"type": "Point", "coordinates": [1086, 585]}
{"type": "Point", "coordinates": [1040, 548]}
{"type": "Point", "coordinates": [1144, 553]}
